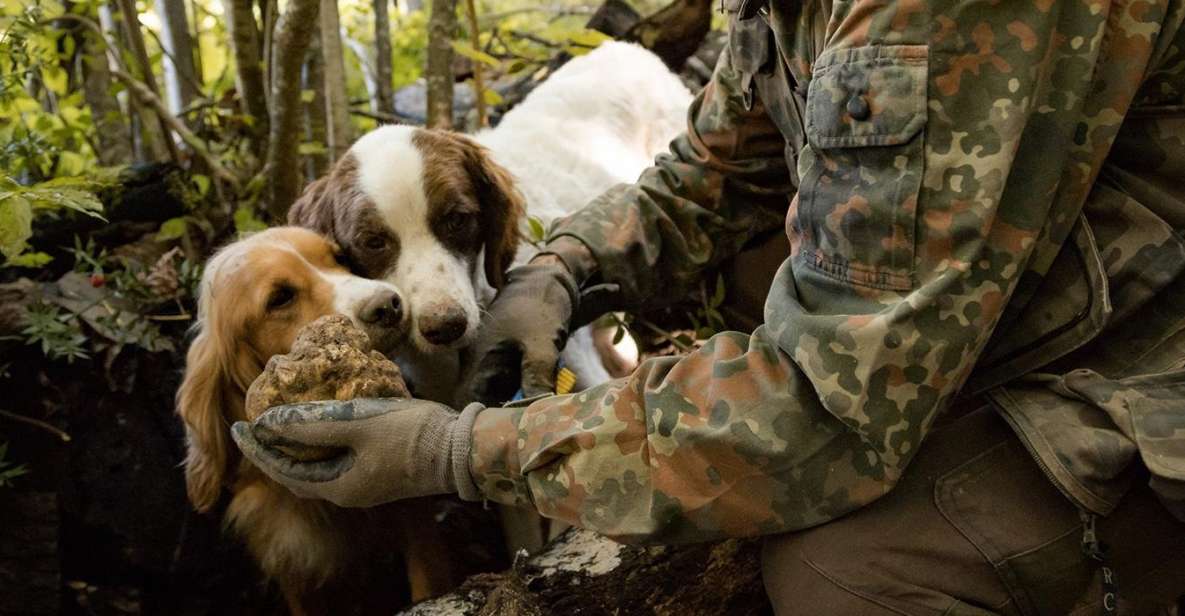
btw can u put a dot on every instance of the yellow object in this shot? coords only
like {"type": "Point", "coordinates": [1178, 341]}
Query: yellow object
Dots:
{"type": "Point", "coordinates": [565, 381]}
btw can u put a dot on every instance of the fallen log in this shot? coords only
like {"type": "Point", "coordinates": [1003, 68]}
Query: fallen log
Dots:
{"type": "Point", "coordinates": [581, 572]}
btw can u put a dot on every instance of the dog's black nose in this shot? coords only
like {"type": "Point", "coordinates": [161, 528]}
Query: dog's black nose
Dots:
{"type": "Point", "coordinates": [442, 325]}
{"type": "Point", "coordinates": [384, 308]}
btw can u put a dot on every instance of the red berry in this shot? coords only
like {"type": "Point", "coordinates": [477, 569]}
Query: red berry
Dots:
{"type": "Point", "coordinates": [98, 280]}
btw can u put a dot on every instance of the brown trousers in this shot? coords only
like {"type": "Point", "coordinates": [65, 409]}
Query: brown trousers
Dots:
{"type": "Point", "coordinates": [974, 527]}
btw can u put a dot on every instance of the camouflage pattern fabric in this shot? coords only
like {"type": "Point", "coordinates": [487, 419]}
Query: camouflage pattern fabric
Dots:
{"type": "Point", "coordinates": [988, 202]}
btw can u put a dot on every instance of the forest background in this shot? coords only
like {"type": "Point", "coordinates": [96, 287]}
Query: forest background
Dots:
{"type": "Point", "coordinates": [136, 136]}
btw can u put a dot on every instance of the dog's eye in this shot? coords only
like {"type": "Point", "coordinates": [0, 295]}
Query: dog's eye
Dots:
{"type": "Point", "coordinates": [280, 297]}
{"type": "Point", "coordinates": [456, 222]}
{"type": "Point", "coordinates": [375, 242]}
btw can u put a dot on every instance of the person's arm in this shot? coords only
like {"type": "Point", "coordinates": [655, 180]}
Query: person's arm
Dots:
{"type": "Point", "coordinates": [920, 208]}
{"type": "Point", "coordinates": [723, 182]}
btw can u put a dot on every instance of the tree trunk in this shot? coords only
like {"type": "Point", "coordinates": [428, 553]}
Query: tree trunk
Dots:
{"type": "Point", "coordinates": [114, 146]}
{"type": "Point", "coordinates": [270, 10]}
{"type": "Point", "coordinates": [315, 111]}
{"type": "Point", "coordinates": [584, 573]}
{"type": "Point", "coordinates": [154, 133]}
{"type": "Point", "coordinates": [336, 97]}
{"type": "Point", "coordinates": [385, 97]}
{"type": "Point", "coordinates": [294, 31]}
{"type": "Point", "coordinates": [442, 24]}
{"type": "Point", "coordinates": [180, 74]}
{"type": "Point", "coordinates": [675, 31]}
{"type": "Point", "coordinates": [479, 87]}
{"type": "Point", "coordinates": [245, 44]}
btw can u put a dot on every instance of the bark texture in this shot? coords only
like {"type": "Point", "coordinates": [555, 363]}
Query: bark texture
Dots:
{"type": "Point", "coordinates": [115, 147]}
{"type": "Point", "coordinates": [180, 73]}
{"type": "Point", "coordinates": [336, 97]}
{"type": "Point", "coordinates": [675, 31]}
{"type": "Point", "coordinates": [245, 45]}
{"type": "Point", "coordinates": [294, 31]}
{"type": "Point", "coordinates": [154, 133]}
{"type": "Point", "coordinates": [442, 24]}
{"type": "Point", "coordinates": [583, 573]}
{"type": "Point", "coordinates": [316, 110]}
{"type": "Point", "coordinates": [479, 86]}
{"type": "Point", "coordinates": [383, 72]}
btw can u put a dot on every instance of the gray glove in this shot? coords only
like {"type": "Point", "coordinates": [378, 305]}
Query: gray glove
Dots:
{"type": "Point", "coordinates": [521, 338]}
{"type": "Point", "coordinates": [364, 452]}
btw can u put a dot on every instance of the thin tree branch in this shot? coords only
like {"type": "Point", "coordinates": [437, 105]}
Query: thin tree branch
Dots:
{"type": "Point", "coordinates": [37, 423]}
{"type": "Point", "coordinates": [170, 121]}
{"type": "Point", "coordinates": [134, 28]}
{"type": "Point", "coordinates": [146, 96]}
{"type": "Point", "coordinates": [389, 118]}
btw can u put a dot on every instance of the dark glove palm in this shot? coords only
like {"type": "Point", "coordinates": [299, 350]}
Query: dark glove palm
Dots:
{"type": "Point", "coordinates": [521, 338]}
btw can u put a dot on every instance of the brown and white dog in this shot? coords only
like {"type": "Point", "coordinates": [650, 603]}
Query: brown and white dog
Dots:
{"type": "Point", "coordinates": [438, 214]}
{"type": "Point", "coordinates": [255, 295]}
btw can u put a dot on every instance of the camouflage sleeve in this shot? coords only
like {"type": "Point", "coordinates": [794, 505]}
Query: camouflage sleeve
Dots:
{"type": "Point", "coordinates": [724, 181]}
{"type": "Point", "coordinates": [727, 441]}
{"type": "Point", "coordinates": [949, 155]}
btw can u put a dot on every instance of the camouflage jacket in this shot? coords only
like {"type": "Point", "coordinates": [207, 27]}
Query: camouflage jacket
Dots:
{"type": "Point", "coordinates": [982, 199]}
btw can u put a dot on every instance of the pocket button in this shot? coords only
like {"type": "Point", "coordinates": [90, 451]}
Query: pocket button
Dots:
{"type": "Point", "coordinates": [858, 107]}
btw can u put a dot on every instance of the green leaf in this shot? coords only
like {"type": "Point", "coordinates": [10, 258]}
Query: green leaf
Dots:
{"type": "Point", "coordinates": [718, 296]}
{"type": "Point", "coordinates": [247, 222]}
{"type": "Point", "coordinates": [202, 184]}
{"type": "Point", "coordinates": [55, 78]}
{"type": "Point", "coordinates": [71, 163]}
{"type": "Point", "coordinates": [585, 41]}
{"type": "Point", "coordinates": [30, 260]}
{"type": "Point", "coordinates": [491, 97]}
{"type": "Point", "coordinates": [307, 96]}
{"type": "Point", "coordinates": [172, 229]}
{"type": "Point", "coordinates": [538, 233]}
{"type": "Point", "coordinates": [311, 148]}
{"type": "Point", "coordinates": [619, 335]}
{"type": "Point", "coordinates": [16, 224]}
{"type": "Point", "coordinates": [467, 50]}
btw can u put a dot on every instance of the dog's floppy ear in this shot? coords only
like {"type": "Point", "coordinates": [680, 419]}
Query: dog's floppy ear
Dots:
{"type": "Point", "coordinates": [502, 209]}
{"type": "Point", "coordinates": [314, 209]}
{"type": "Point", "coordinates": [206, 401]}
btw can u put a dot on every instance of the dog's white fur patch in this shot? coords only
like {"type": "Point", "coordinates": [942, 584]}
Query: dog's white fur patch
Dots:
{"type": "Point", "coordinates": [391, 172]}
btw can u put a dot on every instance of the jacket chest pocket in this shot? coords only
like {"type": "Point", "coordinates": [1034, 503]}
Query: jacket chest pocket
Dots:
{"type": "Point", "coordinates": [861, 169]}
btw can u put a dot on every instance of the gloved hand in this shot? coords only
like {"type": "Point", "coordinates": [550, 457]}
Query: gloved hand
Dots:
{"type": "Point", "coordinates": [363, 452]}
{"type": "Point", "coordinates": [523, 334]}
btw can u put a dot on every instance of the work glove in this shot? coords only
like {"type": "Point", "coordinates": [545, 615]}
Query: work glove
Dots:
{"type": "Point", "coordinates": [363, 452]}
{"type": "Point", "coordinates": [521, 338]}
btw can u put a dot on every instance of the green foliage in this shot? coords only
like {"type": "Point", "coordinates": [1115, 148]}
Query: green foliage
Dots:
{"type": "Point", "coordinates": [537, 234]}
{"type": "Point", "coordinates": [247, 222]}
{"type": "Point", "coordinates": [45, 125]}
{"type": "Point", "coordinates": [19, 204]}
{"type": "Point", "coordinates": [8, 470]}
{"type": "Point", "coordinates": [58, 333]}
{"type": "Point", "coordinates": [707, 319]}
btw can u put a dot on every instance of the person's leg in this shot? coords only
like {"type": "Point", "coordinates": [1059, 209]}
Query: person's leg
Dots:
{"type": "Point", "coordinates": [899, 555]}
{"type": "Point", "coordinates": [974, 527]}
